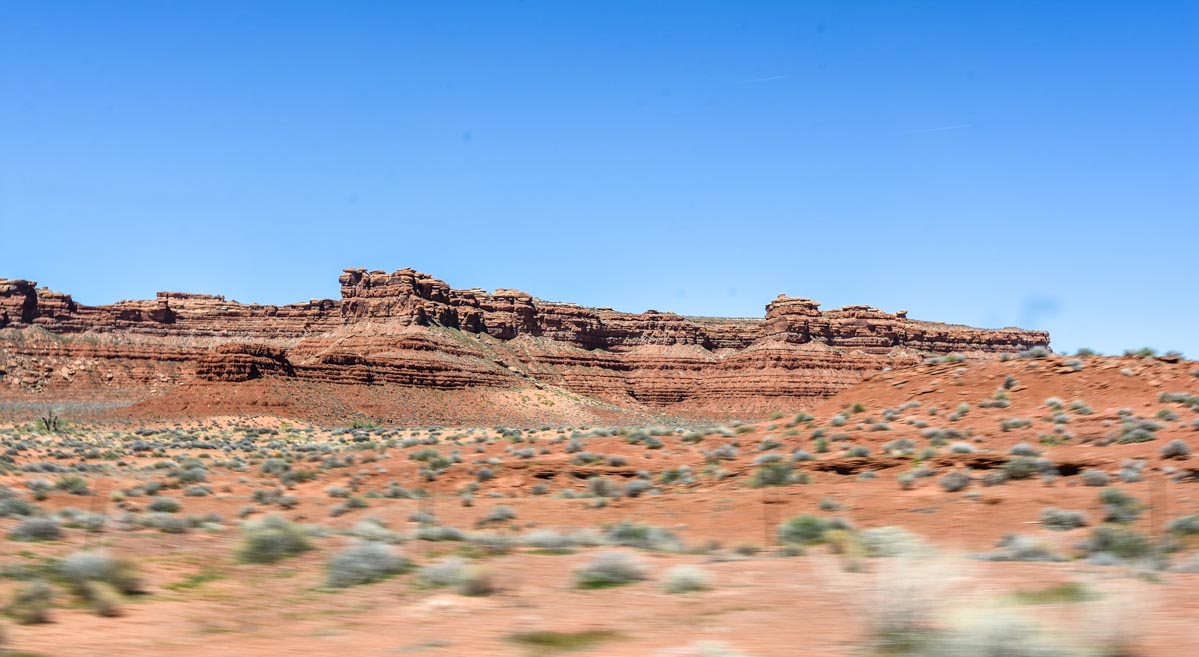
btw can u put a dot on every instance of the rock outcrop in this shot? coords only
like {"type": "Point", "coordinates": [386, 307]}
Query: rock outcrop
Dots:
{"type": "Point", "coordinates": [407, 328]}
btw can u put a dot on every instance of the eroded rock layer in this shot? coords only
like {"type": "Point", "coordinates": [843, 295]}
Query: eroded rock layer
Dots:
{"type": "Point", "coordinates": [409, 329]}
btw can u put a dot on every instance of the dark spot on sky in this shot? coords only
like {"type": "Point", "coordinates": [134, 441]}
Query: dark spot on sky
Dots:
{"type": "Point", "coordinates": [1035, 309]}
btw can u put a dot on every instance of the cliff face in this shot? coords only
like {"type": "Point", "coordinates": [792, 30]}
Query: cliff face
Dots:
{"type": "Point", "coordinates": [409, 329]}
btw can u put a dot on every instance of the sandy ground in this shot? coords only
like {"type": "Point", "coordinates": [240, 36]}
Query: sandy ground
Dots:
{"type": "Point", "coordinates": [202, 602]}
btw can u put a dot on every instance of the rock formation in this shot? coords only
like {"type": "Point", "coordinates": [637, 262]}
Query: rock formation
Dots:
{"type": "Point", "coordinates": [407, 328]}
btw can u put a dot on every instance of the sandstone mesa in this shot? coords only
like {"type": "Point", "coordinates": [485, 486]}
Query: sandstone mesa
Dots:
{"type": "Point", "coordinates": [409, 329]}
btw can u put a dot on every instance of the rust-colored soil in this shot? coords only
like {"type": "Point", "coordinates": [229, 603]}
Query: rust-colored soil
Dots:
{"type": "Point", "coordinates": [201, 601]}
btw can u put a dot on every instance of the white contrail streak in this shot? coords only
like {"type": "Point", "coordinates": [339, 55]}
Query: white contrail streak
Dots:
{"type": "Point", "coordinates": [957, 126]}
{"type": "Point", "coordinates": [773, 77]}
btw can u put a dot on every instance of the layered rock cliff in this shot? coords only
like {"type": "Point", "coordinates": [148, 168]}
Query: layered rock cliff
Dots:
{"type": "Point", "coordinates": [407, 328]}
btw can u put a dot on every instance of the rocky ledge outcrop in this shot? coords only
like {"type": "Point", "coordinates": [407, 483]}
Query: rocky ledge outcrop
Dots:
{"type": "Point", "coordinates": [407, 328]}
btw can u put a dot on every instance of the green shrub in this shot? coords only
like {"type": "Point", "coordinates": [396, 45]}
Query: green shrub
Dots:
{"type": "Point", "coordinates": [686, 579]}
{"type": "Point", "coordinates": [804, 529]}
{"type": "Point", "coordinates": [163, 505]}
{"type": "Point", "coordinates": [891, 542]}
{"type": "Point", "coordinates": [1175, 449]}
{"type": "Point", "coordinates": [1184, 526]}
{"type": "Point", "coordinates": [101, 597]}
{"type": "Point", "coordinates": [363, 563]}
{"type": "Point", "coordinates": [73, 484]}
{"type": "Point", "coordinates": [37, 529]}
{"type": "Point", "coordinates": [1119, 507]}
{"type": "Point", "coordinates": [1023, 467]}
{"type": "Point", "coordinates": [955, 481]}
{"type": "Point", "coordinates": [96, 566]}
{"type": "Point", "coordinates": [1062, 520]}
{"type": "Point", "coordinates": [645, 537]}
{"type": "Point", "coordinates": [1119, 541]}
{"type": "Point", "coordinates": [31, 603]}
{"type": "Point", "coordinates": [270, 540]}
{"type": "Point", "coordinates": [608, 569]}
{"type": "Point", "coordinates": [1092, 477]}
{"type": "Point", "coordinates": [773, 474]}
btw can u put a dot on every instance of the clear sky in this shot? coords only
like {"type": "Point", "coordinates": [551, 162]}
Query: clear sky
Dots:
{"type": "Point", "coordinates": [1006, 163]}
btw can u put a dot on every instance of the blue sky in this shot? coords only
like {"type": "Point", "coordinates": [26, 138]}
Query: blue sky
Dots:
{"type": "Point", "coordinates": [995, 164]}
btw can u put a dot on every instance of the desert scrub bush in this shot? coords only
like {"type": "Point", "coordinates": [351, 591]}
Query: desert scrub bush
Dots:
{"type": "Point", "coordinates": [1023, 467]}
{"type": "Point", "coordinates": [773, 474]}
{"type": "Point", "coordinates": [363, 563]}
{"type": "Point", "coordinates": [101, 597]}
{"type": "Point", "coordinates": [31, 603]}
{"type": "Point", "coordinates": [602, 487]}
{"type": "Point", "coordinates": [475, 580]}
{"type": "Point", "coordinates": [1119, 507]}
{"type": "Point", "coordinates": [962, 448]}
{"type": "Point", "coordinates": [442, 574]}
{"type": "Point", "coordinates": [955, 481]}
{"type": "Point", "coordinates": [1184, 526]}
{"type": "Point", "coordinates": [15, 506]}
{"type": "Point", "coordinates": [1092, 477]}
{"type": "Point", "coordinates": [805, 529]}
{"type": "Point", "coordinates": [374, 530]}
{"type": "Point", "coordinates": [422, 516]}
{"type": "Point", "coordinates": [1023, 449]}
{"type": "Point", "coordinates": [892, 542]}
{"type": "Point", "coordinates": [768, 443]}
{"type": "Point", "coordinates": [36, 529]}
{"type": "Point", "coordinates": [899, 447]}
{"type": "Point", "coordinates": [829, 504]}
{"type": "Point", "coordinates": [163, 505]}
{"type": "Point", "coordinates": [1120, 542]}
{"type": "Point", "coordinates": [1166, 415]}
{"type": "Point", "coordinates": [680, 475]}
{"type": "Point", "coordinates": [725, 452]}
{"type": "Point", "coordinates": [543, 642]}
{"type": "Point", "coordinates": [996, 633]}
{"type": "Point", "coordinates": [646, 537]}
{"type": "Point", "coordinates": [1018, 547]}
{"type": "Point", "coordinates": [1035, 353]}
{"type": "Point", "coordinates": [858, 451]}
{"type": "Point", "coordinates": [74, 485]}
{"type": "Point", "coordinates": [1135, 430]}
{"type": "Point", "coordinates": [97, 566]}
{"type": "Point", "coordinates": [900, 607]}
{"type": "Point", "coordinates": [501, 513]}
{"type": "Point", "coordinates": [549, 539]}
{"type": "Point", "coordinates": [166, 523]}
{"type": "Point", "coordinates": [1062, 520]}
{"type": "Point", "coordinates": [340, 492]}
{"type": "Point", "coordinates": [439, 533]}
{"type": "Point", "coordinates": [686, 579]}
{"type": "Point", "coordinates": [270, 540]}
{"type": "Point", "coordinates": [1015, 423]}
{"type": "Point", "coordinates": [637, 487]}
{"type": "Point", "coordinates": [608, 569]}
{"type": "Point", "coordinates": [1175, 449]}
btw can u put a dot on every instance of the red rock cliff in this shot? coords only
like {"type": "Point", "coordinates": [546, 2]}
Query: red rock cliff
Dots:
{"type": "Point", "coordinates": [407, 328]}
